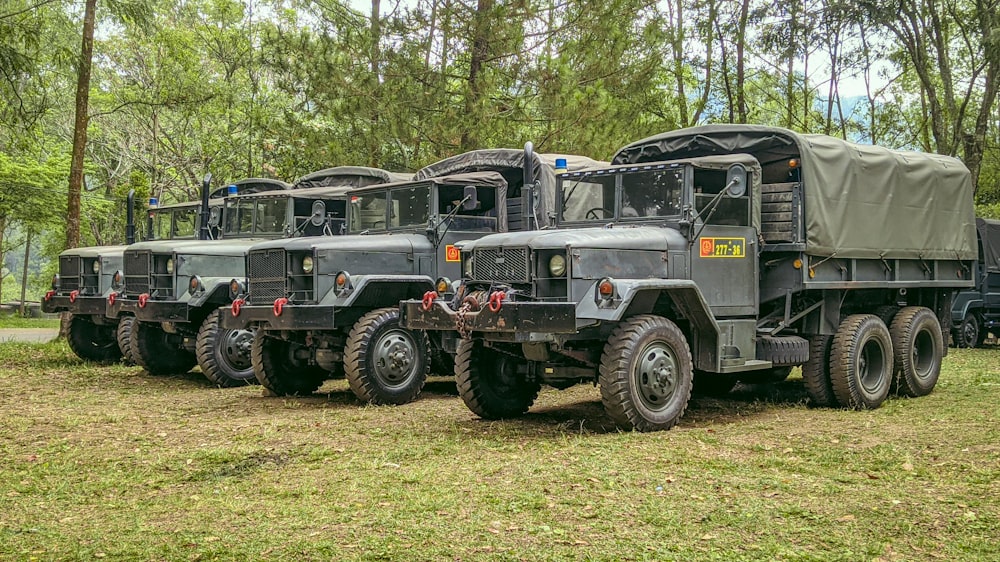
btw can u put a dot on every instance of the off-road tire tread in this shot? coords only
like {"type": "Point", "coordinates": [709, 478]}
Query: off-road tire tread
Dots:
{"type": "Point", "coordinates": [204, 349]}
{"type": "Point", "coordinates": [902, 334]}
{"type": "Point", "coordinates": [783, 350]}
{"type": "Point", "coordinates": [363, 384]}
{"type": "Point", "coordinates": [123, 333]}
{"type": "Point", "coordinates": [272, 373]}
{"type": "Point", "coordinates": [816, 372]}
{"type": "Point", "coordinates": [843, 378]}
{"type": "Point", "coordinates": [615, 359]}
{"type": "Point", "coordinates": [80, 338]}
{"type": "Point", "coordinates": [472, 389]}
{"type": "Point", "coordinates": [158, 360]}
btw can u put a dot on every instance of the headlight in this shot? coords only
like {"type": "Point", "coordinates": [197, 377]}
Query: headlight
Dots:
{"type": "Point", "coordinates": [468, 267]}
{"type": "Point", "coordinates": [170, 265]}
{"type": "Point", "coordinates": [557, 265]}
{"type": "Point", "coordinates": [97, 266]}
{"type": "Point", "coordinates": [307, 264]}
{"type": "Point", "coordinates": [194, 285]}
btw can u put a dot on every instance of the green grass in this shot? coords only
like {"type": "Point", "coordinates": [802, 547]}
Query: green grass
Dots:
{"type": "Point", "coordinates": [108, 462]}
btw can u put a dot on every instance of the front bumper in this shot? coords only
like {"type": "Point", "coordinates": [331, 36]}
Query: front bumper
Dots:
{"type": "Point", "coordinates": [121, 307]}
{"type": "Point", "coordinates": [519, 318]}
{"type": "Point", "coordinates": [162, 311]}
{"type": "Point", "coordinates": [80, 306]}
{"type": "Point", "coordinates": [292, 317]}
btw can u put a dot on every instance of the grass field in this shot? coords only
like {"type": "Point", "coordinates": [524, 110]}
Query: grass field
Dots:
{"type": "Point", "coordinates": [111, 463]}
{"type": "Point", "coordinates": [15, 321]}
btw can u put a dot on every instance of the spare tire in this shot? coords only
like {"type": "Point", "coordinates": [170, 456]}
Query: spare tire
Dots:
{"type": "Point", "coordinates": [783, 350]}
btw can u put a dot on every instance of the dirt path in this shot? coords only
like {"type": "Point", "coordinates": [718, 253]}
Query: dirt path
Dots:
{"type": "Point", "coordinates": [28, 334]}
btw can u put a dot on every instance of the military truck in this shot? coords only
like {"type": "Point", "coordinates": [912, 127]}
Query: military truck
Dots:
{"type": "Point", "coordinates": [339, 313]}
{"type": "Point", "coordinates": [718, 252]}
{"type": "Point", "coordinates": [976, 311]}
{"type": "Point", "coordinates": [86, 277]}
{"type": "Point", "coordinates": [174, 291]}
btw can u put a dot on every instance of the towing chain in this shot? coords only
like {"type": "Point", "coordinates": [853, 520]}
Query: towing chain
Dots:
{"type": "Point", "coordinates": [471, 303]}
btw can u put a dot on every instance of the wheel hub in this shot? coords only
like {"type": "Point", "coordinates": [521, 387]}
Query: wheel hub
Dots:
{"type": "Point", "coordinates": [656, 375]}
{"type": "Point", "coordinates": [395, 357]}
{"type": "Point", "coordinates": [236, 346]}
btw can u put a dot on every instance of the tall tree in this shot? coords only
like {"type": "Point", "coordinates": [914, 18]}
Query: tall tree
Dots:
{"type": "Point", "coordinates": [80, 126]}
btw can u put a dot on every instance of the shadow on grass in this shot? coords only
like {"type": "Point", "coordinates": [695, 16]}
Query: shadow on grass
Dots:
{"type": "Point", "coordinates": [738, 406]}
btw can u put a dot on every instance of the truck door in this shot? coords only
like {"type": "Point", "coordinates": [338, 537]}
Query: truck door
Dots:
{"type": "Point", "coordinates": [724, 254]}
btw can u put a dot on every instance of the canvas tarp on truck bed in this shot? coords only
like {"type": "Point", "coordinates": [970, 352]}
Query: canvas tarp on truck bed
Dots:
{"type": "Point", "coordinates": [860, 201]}
{"type": "Point", "coordinates": [348, 176]}
{"type": "Point", "coordinates": [507, 159]}
{"type": "Point", "coordinates": [989, 233]}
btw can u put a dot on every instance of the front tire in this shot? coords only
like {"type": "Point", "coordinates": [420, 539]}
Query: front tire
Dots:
{"type": "Point", "coordinates": [969, 332]}
{"type": "Point", "coordinates": [918, 347]}
{"type": "Point", "coordinates": [155, 351]}
{"type": "Point", "coordinates": [861, 362]}
{"type": "Point", "coordinates": [492, 384]}
{"type": "Point", "coordinates": [92, 342]}
{"type": "Point", "coordinates": [646, 374]}
{"type": "Point", "coordinates": [385, 363]}
{"type": "Point", "coordinates": [124, 336]}
{"type": "Point", "coordinates": [277, 368]}
{"type": "Point", "coordinates": [224, 355]}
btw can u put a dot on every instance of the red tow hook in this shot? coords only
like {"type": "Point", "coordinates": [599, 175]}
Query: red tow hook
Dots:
{"type": "Point", "coordinates": [142, 300]}
{"type": "Point", "coordinates": [73, 295]}
{"type": "Point", "coordinates": [237, 305]}
{"type": "Point", "coordinates": [495, 300]}
{"type": "Point", "coordinates": [112, 298]}
{"type": "Point", "coordinates": [49, 295]}
{"type": "Point", "coordinates": [428, 300]}
{"type": "Point", "coordinates": [279, 304]}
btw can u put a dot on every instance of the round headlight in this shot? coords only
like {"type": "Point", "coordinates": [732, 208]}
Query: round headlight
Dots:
{"type": "Point", "coordinates": [557, 265]}
{"type": "Point", "coordinates": [468, 267]}
{"type": "Point", "coordinates": [170, 265]}
{"type": "Point", "coordinates": [307, 264]}
{"type": "Point", "coordinates": [97, 266]}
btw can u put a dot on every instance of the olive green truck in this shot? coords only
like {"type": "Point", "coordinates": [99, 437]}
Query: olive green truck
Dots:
{"type": "Point", "coordinates": [710, 255]}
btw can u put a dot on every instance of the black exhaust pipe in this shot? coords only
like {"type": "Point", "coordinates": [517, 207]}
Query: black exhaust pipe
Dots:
{"type": "Point", "coordinates": [528, 188]}
{"type": "Point", "coordinates": [204, 233]}
{"type": "Point", "coordinates": [130, 217]}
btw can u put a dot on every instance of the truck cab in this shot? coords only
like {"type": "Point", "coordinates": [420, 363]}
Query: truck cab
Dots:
{"type": "Point", "coordinates": [722, 253]}
{"type": "Point", "coordinates": [976, 311]}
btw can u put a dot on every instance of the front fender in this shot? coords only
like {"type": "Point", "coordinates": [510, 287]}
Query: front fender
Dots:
{"type": "Point", "coordinates": [215, 292]}
{"type": "Point", "coordinates": [964, 303]}
{"type": "Point", "coordinates": [376, 291]}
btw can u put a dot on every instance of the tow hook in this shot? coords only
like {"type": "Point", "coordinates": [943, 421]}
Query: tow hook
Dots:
{"type": "Point", "coordinates": [279, 304]}
{"type": "Point", "coordinates": [73, 295]}
{"type": "Point", "coordinates": [237, 305]}
{"type": "Point", "coordinates": [112, 298]}
{"type": "Point", "coordinates": [495, 301]}
{"type": "Point", "coordinates": [49, 295]}
{"type": "Point", "coordinates": [428, 300]}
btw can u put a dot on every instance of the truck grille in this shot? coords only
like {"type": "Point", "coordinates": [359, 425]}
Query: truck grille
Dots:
{"type": "Point", "coordinates": [500, 264]}
{"type": "Point", "coordinates": [161, 282]}
{"type": "Point", "coordinates": [267, 274]}
{"type": "Point", "coordinates": [69, 273]}
{"type": "Point", "coordinates": [137, 272]}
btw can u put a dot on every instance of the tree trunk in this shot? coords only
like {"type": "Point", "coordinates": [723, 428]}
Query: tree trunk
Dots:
{"type": "Point", "coordinates": [677, 44]}
{"type": "Point", "coordinates": [480, 50]}
{"type": "Point", "coordinates": [741, 36]}
{"type": "Point", "coordinates": [3, 227]}
{"type": "Point", "coordinates": [80, 127]}
{"type": "Point", "coordinates": [24, 273]}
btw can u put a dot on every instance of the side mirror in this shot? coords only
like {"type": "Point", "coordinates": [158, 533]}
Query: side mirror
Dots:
{"type": "Point", "coordinates": [318, 213]}
{"type": "Point", "coordinates": [470, 194]}
{"type": "Point", "coordinates": [736, 180]}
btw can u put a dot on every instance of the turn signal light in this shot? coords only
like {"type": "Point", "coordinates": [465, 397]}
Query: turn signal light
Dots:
{"type": "Point", "coordinates": [606, 288]}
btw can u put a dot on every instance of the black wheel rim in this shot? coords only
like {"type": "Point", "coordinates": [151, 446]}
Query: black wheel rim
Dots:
{"type": "Point", "coordinates": [871, 365]}
{"type": "Point", "coordinates": [969, 332]}
{"type": "Point", "coordinates": [655, 375]}
{"type": "Point", "coordinates": [924, 353]}
{"type": "Point", "coordinates": [395, 359]}
{"type": "Point", "coordinates": [235, 348]}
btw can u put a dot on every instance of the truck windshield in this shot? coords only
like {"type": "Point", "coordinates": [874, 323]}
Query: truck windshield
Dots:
{"type": "Point", "coordinates": [404, 207]}
{"type": "Point", "coordinates": [184, 223]}
{"type": "Point", "coordinates": [651, 193]}
{"type": "Point", "coordinates": [590, 198]}
{"type": "Point", "coordinates": [256, 215]}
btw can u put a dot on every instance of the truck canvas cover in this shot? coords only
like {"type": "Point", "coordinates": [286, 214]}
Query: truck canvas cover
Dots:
{"type": "Point", "coordinates": [500, 159]}
{"type": "Point", "coordinates": [989, 233]}
{"type": "Point", "coordinates": [348, 176]}
{"type": "Point", "coordinates": [860, 201]}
